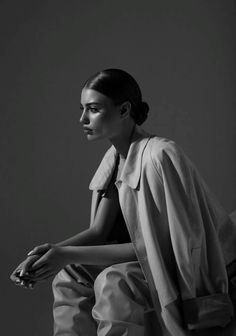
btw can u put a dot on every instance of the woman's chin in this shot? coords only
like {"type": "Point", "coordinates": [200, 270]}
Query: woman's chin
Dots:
{"type": "Point", "coordinates": [94, 137]}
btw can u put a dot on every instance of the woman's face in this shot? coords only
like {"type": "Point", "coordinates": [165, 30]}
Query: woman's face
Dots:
{"type": "Point", "coordinates": [100, 118]}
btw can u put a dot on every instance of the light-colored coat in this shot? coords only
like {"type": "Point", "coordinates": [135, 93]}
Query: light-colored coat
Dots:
{"type": "Point", "coordinates": [183, 238]}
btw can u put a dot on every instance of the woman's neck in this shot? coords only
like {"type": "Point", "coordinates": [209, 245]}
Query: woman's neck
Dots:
{"type": "Point", "coordinates": [122, 142]}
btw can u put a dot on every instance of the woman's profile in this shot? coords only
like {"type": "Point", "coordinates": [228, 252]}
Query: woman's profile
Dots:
{"type": "Point", "coordinates": [159, 255]}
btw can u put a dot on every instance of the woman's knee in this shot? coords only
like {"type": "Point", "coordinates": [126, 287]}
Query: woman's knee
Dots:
{"type": "Point", "coordinates": [125, 281]}
{"type": "Point", "coordinates": [60, 277]}
{"type": "Point", "coordinates": [116, 272]}
{"type": "Point", "coordinates": [107, 275]}
{"type": "Point", "coordinates": [116, 298]}
{"type": "Point", "coordinates": [111, 281]}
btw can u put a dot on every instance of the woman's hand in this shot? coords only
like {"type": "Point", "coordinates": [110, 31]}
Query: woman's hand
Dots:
{"type": "Point", "coordinates": [41, 249]}
{"type": "Point", "coordinates": [49, 264]}
{"type": "Point", "coordinates": [21, 276]}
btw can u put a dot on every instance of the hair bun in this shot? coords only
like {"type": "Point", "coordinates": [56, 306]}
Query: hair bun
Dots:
{"type": "Point", "coordinates": [142, 114]}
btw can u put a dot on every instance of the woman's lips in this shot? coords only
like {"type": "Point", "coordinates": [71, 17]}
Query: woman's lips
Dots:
{"type": "Point", "coordinates": [87, 130]}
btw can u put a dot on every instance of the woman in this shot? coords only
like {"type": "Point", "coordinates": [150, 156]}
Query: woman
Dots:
{"type": "Point", "coordinates": [159, 245]}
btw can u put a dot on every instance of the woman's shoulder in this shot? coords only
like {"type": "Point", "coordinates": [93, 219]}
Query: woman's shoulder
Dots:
{"type": "Point", "coordinates": [165, 152]}
{"type": "Point", "coordinates": [161, 146]}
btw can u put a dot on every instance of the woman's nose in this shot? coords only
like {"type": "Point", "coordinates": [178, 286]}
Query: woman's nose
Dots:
{"type": "Point", "coordinates": [84, 118]}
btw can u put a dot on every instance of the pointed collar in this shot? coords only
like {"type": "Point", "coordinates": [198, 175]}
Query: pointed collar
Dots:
{"type": "Point", "coordinates": [132, 167]}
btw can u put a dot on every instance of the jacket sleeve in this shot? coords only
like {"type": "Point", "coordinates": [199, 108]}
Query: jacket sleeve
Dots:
{"type": "Point", "coordinates": [96, 196]}
{"type": "Point", "coordinates": [200, 264]}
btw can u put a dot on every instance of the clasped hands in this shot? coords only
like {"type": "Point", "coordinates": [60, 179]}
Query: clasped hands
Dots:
{"type": "Point", "coordinates": [41, 263]}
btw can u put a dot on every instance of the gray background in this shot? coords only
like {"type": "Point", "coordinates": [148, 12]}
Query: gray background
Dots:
{"type": "Point", "coordinates": [183, 55]}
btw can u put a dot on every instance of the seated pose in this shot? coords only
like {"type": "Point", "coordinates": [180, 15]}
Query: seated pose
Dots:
{"type": "Point", "coordinates": [159, 255]}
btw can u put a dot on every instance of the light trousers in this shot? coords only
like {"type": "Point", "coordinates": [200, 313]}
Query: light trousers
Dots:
{"type": "Point", "coordinates": [111, 301]}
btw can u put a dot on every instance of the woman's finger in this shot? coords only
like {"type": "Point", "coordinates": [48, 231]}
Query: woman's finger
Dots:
{"type": "Point", "coordinates": [40, 249]}
{"type": "Point", "coordinates": [17, 282]}
{"type": "Point", "coordinates": [29, 284]}
{"type": "Point", "coordinates": [15, 274]}
{"type": "Point", "coordinates": [25, 267]}
{"type": "Point", "coordinates": [13, 277]}
{"type": "Point", "coordinates": [29, 262]}
{"type": "Point", "coordinates": [39, 271]}
{"type": "Point", "coordinates": [44, 259]}
{"type": "Point", "coordinates": [16, 270]}
{"type": "Point", "coordinates": [24, 283]}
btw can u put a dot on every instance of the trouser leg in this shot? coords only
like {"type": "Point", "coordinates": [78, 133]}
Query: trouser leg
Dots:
{"type": "Point", "coordinates": [73, 302]}
{"type": "Point", "coordinates": [122, 298]}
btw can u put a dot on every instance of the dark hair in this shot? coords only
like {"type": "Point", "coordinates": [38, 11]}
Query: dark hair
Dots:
{"type": "Point", "coordinates": [120, 86]}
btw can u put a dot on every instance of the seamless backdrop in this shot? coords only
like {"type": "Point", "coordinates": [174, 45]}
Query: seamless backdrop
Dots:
{"type": "Point", "coordinates": [183, 55]}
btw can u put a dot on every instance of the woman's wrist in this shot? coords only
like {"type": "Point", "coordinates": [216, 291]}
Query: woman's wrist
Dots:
{"type": "Point", "coordinates": [64, 255]}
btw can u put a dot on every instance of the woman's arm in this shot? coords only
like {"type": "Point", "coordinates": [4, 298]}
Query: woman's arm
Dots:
{"type": "Point", "coordinates": [87, 237]}
{"type": "Point", "coordinates": [104, 220]}
{"type": "Point", "coordinates": [99, 255]}
{"type": "Point", "coordinates": [61, 254]}
{"type": "Point", "coordinates": [96, 235]}
{"type": "Point", "coordinates": [58, 257]}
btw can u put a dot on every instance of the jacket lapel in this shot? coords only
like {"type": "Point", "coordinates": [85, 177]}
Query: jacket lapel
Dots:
{"type": "Point", "coordinates": [103, 175]}
{"type": "Point", "coordinates": [132, 169]}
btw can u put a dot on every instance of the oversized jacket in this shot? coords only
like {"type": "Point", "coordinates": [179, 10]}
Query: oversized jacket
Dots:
{"type": "Point", "coordinates": [182, 237]}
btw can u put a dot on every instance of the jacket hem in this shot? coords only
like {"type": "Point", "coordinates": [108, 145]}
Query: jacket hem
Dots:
{"type": "Point", "coordinates": [208, 311]}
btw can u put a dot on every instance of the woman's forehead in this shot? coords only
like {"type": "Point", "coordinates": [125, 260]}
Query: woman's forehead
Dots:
{"type": "Point", "coordinates": [89, 96]}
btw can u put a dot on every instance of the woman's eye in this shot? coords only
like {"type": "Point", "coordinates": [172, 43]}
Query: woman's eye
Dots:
{"type": "Point", "coordinates": [90, 108]}
{"type": "Point", "coordinates": [93, 109]}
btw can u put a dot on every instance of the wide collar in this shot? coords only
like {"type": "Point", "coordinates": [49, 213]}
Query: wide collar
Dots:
{"type": "Point", "coordinates": [132, 167]}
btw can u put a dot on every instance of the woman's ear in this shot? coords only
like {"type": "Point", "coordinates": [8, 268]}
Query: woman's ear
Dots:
{"type": "Point", "coordinates": [125, 110]}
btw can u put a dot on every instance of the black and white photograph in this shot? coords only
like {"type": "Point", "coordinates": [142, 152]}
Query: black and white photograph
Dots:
{"type": "Point", "coordinates": [118, 167]}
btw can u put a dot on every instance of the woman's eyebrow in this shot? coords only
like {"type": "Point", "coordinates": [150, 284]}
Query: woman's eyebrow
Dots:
{"type": "Point", "coordinates": [91, 103]}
